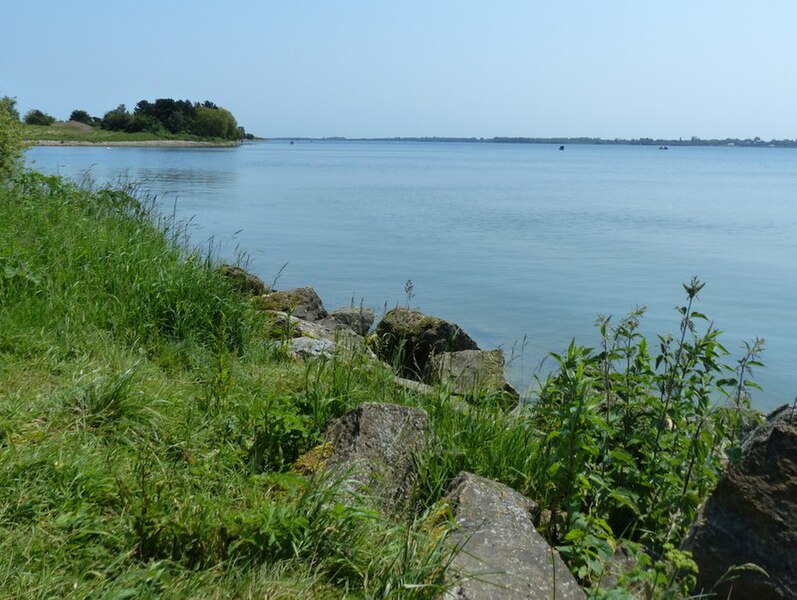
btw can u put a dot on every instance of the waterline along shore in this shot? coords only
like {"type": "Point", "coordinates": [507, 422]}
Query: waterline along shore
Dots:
{"type": "Point", "coordinates": [140, 143]}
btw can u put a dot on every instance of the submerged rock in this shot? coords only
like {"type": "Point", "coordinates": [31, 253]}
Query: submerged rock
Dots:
{"type": "Point", "coordinates": [751, 517]}
{"type": "Point", "coordinates": [408, 338]}
{"type": "Point", "coordinates": [501, 554]}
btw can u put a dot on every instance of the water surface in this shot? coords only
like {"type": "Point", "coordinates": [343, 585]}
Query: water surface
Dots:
{"type": "Point", "coordinates": [514, 242]}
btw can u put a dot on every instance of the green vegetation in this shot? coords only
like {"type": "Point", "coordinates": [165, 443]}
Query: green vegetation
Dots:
{"type": "Point", "coordinates": [10, 106]}
{"type": "Point", "coordinates": [149, 424]}
{"type": "Point", "coordinates": [81, 116]}
{"type": "Point", "coordinates": [162, 120]}
{"type": "Point", "coordinates": [11, 144]}
{"type": "Point", "coordinates": [37, 117]}
{"type": "Point", "coordinates": [175, 117]}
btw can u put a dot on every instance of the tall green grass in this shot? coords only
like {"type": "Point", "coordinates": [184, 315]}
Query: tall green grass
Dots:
{"type": "Point", "coordinates": [148, 424]}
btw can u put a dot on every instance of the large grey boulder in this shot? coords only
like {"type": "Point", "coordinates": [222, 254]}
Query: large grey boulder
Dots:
{"type": "Point", "coordinates": [751, 517]}
{"type": "Point", "coordinates": [247, 283]}
{"type": "Point", "coordinates": [472, 372]}
{"type": "Point", "coordinates": [358, 318]}
{"type": "Point", "coordinates": [501, 555]}
{"type": "Point", "coordinates": [302, 303]}
{"type": "Point", "coordinates": [408, 338]}
{"type": "Point", "coordinates": [374, 446]}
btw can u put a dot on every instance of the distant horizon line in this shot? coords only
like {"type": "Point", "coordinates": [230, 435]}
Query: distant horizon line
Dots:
{"type": "Point", "coordinates": [644, 141]}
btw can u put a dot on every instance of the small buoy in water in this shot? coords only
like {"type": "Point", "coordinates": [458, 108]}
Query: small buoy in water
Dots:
{"type": "Point", "coordinates": [561, 147]}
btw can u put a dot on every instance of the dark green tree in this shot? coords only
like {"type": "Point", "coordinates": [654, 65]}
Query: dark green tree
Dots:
{"type": "Point", "coordinates": [36, 117]}
{"type": "Point", "coordinates": [117, 119]}
{"type": "Point", "coordinates": [81, 116]}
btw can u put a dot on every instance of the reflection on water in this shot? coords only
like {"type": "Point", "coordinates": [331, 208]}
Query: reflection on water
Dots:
{"type": "Point", "coordinates": [508, 240]}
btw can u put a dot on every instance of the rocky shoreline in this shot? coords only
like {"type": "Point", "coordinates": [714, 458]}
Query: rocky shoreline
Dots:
{"type": "Point", "coordinates": [743, 539]}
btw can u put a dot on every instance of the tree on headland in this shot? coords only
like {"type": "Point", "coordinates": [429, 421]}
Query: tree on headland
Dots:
{"type": "Point", "coordinates": [174, 116]}
{"type": "Point", "coordinates": [216, 122]}
{"type": "Point", "coordinates": [166, 115]}
{"type": "Point", "coordinates": [81, 116]}
{"type": "Point", "coordinates": [162, 118]}
{"type": "Point", "coordinates": [36, 117]}
{"type": "Point", "coordinates": [117, 119]}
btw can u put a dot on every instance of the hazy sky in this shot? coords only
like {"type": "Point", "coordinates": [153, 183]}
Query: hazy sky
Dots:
{"type": "Point", "coordinates": [373, 68]}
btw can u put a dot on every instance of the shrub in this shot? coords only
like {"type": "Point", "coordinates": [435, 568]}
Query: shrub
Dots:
{"type": "Point", "coordinates": [635, 441]}
{"type": "Point", "coordinates": [37, 117]}
{"type": "Point", "coordinates": [11, 144]}
{"type": "Point", "coordinates": [81, 116]}
{"type": "Point", "coordinates": [117, 119]}
{"type": "Point", "coordinates": [10, 105]}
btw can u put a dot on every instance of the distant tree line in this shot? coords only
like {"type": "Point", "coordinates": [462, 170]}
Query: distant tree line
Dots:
{"type": "Point", "coordinates": [165, 115]}
{"type": "Point", "coordinates": [756, 142]}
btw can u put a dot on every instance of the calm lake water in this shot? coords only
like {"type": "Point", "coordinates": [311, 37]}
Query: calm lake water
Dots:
{"type": "Point", "coordinates": [513, 242]}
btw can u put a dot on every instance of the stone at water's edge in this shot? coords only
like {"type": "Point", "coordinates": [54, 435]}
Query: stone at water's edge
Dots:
{"type": "Point", "coordinates": [358, 318]}
{"type": "Point", "coordinates": [473, 371]}
{"type": "Point", "coordinates": [501, 553]}
{"type": "Point", "coordinates": [411, 338]}
{"type": "Point", "coordinates": [751, 517]}
{"type": "Point", "coordinates": [374, 445]}
{"type": "Point", "coordinates": [248, 284]}
{"type": "Point", "coordinates": [307, 339]}
{"type": "Point", "coordinates": [303, 303]}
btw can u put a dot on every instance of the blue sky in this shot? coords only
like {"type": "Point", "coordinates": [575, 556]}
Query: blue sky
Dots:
{"type": "Point", "coordinates": [419, 68]}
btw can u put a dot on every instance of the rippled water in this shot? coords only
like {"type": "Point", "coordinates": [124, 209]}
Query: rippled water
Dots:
{"type": "Point", "coordinates": [513, 242]}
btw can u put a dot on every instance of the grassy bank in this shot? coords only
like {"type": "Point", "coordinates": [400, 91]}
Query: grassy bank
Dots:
{"type": "Point", "coordinates": [148, 427]}
{"type": "Point", "coordinates": [80, 133]}
{"type": "Point", "coordinates": [149, 424]}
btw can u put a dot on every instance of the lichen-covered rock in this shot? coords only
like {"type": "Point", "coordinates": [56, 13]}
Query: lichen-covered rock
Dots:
{"type": "Point", "coordinates": [408, 338]}
{"type": "Point", "coordinates": [751, 517]}
{"type": "Point", "coordinates": [284, 325]}
{"type": "Point", "coordinates": [374, 446]}
{"type": "Point", "coordinates": [302, 303]}
{"type": "Point", "coordinates": [248, 284]}
{"type": "Point", "coordinates": [305, 347]}
{"type": "Point", "coordinates": [501, 555]}
{"type": "Point", "coordinates": [359, 318]}
{"type": "Point", "coordinates": [473, 372]}
{"type": "Point", "coordinates": [307, 339]}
